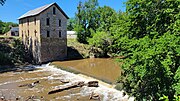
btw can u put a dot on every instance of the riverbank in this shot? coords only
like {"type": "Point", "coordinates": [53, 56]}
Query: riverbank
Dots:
{"type": "Point", "coordinates": [50, 78]}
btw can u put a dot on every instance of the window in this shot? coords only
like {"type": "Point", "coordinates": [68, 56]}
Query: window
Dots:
{"type": "Point", "coordinates": [34, 42]}
{"type": "Point", "coordinates": [34, 21]}
{"type": "Point", "coordinates": [54, 10]}
{"type": "Point", "coordinates": [28, 22]}
{"type": "Point", "coordinates": [60, 34]}
{"type": "Point", "coordinates": [28, 33]}
{"type": "Point", "coordinates": [22, 22]}
{"type": "Point", "coordinates": [47, 22]}
{"type": "Point", "coordinates": [35, 33]}
{"type": "Point", "coordinates": [48, 33]}
{"type": "Point", "coordinates": [22, 34]}
{"type": "Point", "coordinates": [59, 22]}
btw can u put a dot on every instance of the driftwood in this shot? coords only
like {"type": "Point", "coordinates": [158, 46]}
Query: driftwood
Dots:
{"type": "Point", "coordinates": [92, 84]}
{"type": "Point", "coordinates": [31, 85]}
{"type": "Point", "coordinates": [94, 96]}
{"type": "Point", "coordinates": [74, 85]}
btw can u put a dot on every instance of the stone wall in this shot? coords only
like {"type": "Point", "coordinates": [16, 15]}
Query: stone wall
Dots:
{"type": "Point", "coordinates": [29, 32]}
{"type": "Point", "coordinates": [33, 32]}
{"type": "Point", "coordinates": [53, 47]}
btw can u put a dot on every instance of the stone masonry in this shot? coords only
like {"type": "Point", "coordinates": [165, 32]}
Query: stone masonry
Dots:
{"type": "Point", "coordinates": [43, 32]}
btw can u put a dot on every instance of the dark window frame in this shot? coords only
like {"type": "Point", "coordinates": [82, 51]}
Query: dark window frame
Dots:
{"type": "Point", "coordinates": [48, 21]}
{"type": "Point", "coordinates": [35, 21]}
{"type": "Point", "coordinates": [60, 22]}
{"type": "Point", "coordinates": [28, 33]}
{"type": "Point", "coordinates": [48, 33]}
{"type": "Point", "coordinates": [54, 10]}
{"type": "Point", "coordinates": [35, 32]}
{"type": "Point", "coordinates": [22, 34]}
{"type": "Point", "coordinates": [60, 34]}
{"type": "Point", "coordinates": [28, 22]}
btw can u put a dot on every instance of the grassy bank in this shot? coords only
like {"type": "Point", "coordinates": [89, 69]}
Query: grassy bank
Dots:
{"type": "Point", "coordinates": [77, 50]}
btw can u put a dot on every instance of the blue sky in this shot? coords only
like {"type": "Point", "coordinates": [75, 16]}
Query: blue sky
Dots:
{"type": "Point", "coordinates": [15, 8]}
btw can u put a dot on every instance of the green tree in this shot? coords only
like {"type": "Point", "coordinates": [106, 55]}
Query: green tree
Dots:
{"type": "Point", "coordinates": [5, 26]}
{"type": "Point", "coordinates": [86, 19]}
{"type": "Point", "coordinates": [107, 16]}
{"type": "Point", "coordinates": [71, 24]}
{"type": "Point", "coordinates": [152, 46]}
{"type": "Point", "coordinates": [2, 2]}
{"type": "Point", "coordinates": [101, 40]}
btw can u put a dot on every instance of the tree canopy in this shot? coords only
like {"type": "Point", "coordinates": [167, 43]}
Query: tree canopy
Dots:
{"type": "Point", "coordinates": [2, 2]}
{"type": "Point", "coordinates": [5, 26]}
{"type": "Point", "coordinates": [147, 35]}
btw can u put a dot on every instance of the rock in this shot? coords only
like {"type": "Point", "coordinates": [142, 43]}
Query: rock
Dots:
{"type": "Point", "coordinates": [94, 96]}
{"type": "Point", "coordinates": [29, 85]}
{"type": "Point", "coordinates": [92, 84]}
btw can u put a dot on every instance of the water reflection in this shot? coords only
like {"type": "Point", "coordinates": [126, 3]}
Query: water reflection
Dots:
{"type": "Point", "coordinates": [105, 69]}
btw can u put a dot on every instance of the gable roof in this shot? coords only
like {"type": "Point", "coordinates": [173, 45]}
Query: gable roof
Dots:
{"type": "Point", "coordinates": [41, 9]}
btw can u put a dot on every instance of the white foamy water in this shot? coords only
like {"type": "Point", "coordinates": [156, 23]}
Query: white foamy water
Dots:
{"type": "Point", "coordinates": [108, 93]}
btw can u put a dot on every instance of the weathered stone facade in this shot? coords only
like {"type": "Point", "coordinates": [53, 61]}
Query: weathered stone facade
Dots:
{"type": "Point", "coordinates": [44, 34]}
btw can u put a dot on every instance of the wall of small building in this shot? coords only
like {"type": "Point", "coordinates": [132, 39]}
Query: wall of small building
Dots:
{"type": "Point", "coordinates": [53, 47]}
{"type": "Point", "coordinates": [29, 32]}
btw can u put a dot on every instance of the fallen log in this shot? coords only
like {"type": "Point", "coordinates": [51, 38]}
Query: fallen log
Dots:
{"type": "Point", "coordinates": [74, 85]}
{"type": "Point", "coordinates": [31, 85]}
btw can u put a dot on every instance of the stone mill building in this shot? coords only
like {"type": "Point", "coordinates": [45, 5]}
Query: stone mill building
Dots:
{"type": "Point", "coordinates": [43, 32]}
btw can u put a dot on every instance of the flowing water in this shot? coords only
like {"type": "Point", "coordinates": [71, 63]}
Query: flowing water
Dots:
{"type": "Point", "coordinates": [49, 78]}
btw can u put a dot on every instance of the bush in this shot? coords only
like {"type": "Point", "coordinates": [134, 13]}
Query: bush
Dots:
{"type": "Point", "coordinates": [153, 68]}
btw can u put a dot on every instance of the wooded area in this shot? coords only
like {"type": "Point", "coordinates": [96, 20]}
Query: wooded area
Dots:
{"type": "Point", "coordinates": [147, 34]}
{"type": "Point", "coordinates": [5, 26]}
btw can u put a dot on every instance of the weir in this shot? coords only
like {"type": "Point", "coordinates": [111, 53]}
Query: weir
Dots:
{"type": "Point", "coordinates": [49, 78]}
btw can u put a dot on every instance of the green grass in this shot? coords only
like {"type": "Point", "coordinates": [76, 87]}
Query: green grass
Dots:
{"type": "Point", "coordinates": [83, 49]}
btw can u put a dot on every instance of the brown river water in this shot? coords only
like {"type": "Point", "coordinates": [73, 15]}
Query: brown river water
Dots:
{"type": "Point", "coordinates": [105, 69]}
{"type": "Point", "coordinates": [50, 78]}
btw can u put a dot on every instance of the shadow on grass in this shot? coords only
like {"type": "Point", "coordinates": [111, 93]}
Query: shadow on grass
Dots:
{"type": "Point", "coordinates": [73, 54]}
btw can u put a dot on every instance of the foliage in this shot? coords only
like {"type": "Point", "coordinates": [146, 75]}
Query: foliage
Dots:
{"type": "Point", "coordinates": [101, 40]}
{"type": "Point", "coordinates": [2, 2]}
{"type": "Point", "coordinates": [150, 41]}
{"type": "Point", "coordinates": [106, 17]}
{"type": "Point", "coordinates": [152, 68]}
{"type": "Point", "coordinates": [5, 26]}
{"type": "Point", "coordinates": [13, 52]}
{"type": "Point", "coordinates": [86, 18]}
{"type": "Point", "coordinates": [71, 24]}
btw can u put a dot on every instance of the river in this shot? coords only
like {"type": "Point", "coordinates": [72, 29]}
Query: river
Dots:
{"type": "Point", "coordinates": [105, 69]}
{"type": "Point", "coordinates": [50, 78]}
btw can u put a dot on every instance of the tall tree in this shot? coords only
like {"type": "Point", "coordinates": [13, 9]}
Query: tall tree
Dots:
{"type": "Point", "coordinates": [2, 2]}
{"type": "Point", "coordinates": [86, 18]}
{"type": "Point", "coordinates": [106, 17]}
